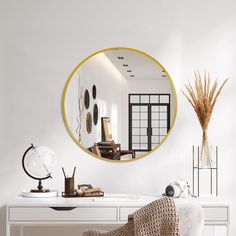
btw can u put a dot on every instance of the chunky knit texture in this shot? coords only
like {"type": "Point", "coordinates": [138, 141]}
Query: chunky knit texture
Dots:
{"type": "Point", "coordinates": [158, 218]}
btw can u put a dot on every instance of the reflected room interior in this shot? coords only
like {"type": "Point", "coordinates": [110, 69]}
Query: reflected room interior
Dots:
{"type": "Point", "coordinates": [120, 104]}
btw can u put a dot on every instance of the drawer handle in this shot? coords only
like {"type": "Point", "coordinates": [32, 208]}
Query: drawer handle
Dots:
{"type": "Point", "coordinates": [62, 208]}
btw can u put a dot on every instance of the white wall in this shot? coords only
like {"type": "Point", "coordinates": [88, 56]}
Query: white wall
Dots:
{"type": "Point", "coordinates": [44, 40]}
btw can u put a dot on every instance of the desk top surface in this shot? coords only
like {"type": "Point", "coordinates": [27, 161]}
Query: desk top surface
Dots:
{"type": "Point", "coordinates": [112, 200]}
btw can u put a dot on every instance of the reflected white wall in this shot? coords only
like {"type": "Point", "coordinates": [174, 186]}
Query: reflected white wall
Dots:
{"type": "Point", "coordinates": [112, 98]}
{"type": "Point", "coordinates": [99, 71]}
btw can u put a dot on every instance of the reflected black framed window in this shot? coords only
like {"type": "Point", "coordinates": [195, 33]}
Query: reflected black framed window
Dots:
{"type": "Point", "coordinates": [149, 120]}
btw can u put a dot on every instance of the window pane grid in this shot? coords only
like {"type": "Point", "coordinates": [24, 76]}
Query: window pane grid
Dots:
{"type": "Point", "coordinates": [150, 120]}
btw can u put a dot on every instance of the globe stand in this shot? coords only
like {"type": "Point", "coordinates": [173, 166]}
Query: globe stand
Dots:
{"type": "Point", "coordinates": [40, 191]}
{"type": "Point", "coordinates": [40, 188]}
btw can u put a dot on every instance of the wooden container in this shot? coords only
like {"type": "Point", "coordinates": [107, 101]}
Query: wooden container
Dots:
{"type": "Point", "coordinates": [69, 186]}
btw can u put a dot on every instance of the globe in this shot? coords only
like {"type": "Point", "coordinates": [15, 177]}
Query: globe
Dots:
{"type": "Point", "coordinates": [38, 163]}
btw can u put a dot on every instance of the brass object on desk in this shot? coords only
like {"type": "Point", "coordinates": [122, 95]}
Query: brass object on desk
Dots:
{"type": "Point", "coordinates": [69, 184]}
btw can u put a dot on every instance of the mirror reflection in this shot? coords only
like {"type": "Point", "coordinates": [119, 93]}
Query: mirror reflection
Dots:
{"type": "Point", "coordinates": [119, 104]}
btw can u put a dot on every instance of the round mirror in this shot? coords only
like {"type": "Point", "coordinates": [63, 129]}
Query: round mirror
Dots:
{"type": "Point", "coordinates": [133, 104]}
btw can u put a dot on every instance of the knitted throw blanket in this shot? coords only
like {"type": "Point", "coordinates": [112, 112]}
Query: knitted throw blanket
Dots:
{"type": "Point", "coordinates": [158, 218]}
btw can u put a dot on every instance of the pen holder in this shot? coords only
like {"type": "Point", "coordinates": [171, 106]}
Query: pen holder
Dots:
{"type": "Point", "coordinates": [69, 186]}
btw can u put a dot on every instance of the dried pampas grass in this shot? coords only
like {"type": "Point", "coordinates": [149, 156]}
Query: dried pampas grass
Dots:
{"type": "Point", "coordinates": [203, 95]}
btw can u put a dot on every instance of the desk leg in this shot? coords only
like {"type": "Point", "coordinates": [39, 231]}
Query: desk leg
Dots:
{"type": "Point", "coordinates": [21, 230]}
{"type": "Point", "coordinates": [8, 229]}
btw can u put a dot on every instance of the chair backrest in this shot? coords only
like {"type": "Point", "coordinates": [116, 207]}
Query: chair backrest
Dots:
{"type": "Point", "coordinates": [106, 129]}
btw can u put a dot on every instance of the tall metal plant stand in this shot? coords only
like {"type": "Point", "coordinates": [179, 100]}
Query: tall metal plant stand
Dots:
{"type": "Point", "coordinates": [212, 172]}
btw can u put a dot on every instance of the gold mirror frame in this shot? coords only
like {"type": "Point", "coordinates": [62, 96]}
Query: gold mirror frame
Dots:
{"type": "Point", "coordinates": [64, 97]}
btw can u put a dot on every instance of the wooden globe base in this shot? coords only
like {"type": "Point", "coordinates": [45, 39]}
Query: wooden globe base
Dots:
{"type": "Point", "coordinates": [39, 191]}
{"type": "Point", "coordinates": [40, 188]}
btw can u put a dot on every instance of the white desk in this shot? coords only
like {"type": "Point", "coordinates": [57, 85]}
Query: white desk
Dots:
{"type": "Point", "coordinates": [112, 209]}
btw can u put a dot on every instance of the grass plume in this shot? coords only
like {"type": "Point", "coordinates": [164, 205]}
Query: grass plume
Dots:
{"type": "Point", "coordinates": [202, 95]}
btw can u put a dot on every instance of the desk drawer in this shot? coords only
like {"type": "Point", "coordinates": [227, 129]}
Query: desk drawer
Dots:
{"type": "Point", "coordinates": [216, 213]}
{"type": "Point", "coordinates": [125, 211]}
{"type": "Point", "coordinates": [63, 214]}
{"type": "Point", "coordinates": [210, 213]}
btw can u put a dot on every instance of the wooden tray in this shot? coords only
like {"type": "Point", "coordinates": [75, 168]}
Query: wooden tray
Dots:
{"type": "Point", "coordinates": [97, 194]}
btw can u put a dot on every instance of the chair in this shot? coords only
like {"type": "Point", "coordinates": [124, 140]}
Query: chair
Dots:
{"type": "Point", "coordinates": [105, 151]}
{"type": "Point", "coordinates": [106, 129]}
{"type": "Point", "coordinates": [122, 152]}
{"type": "Point", "coordinates": [108, 150]}
{"type": "Point", "coordinates": [113, 150]}
{"type": "Point", "coordinates": [107, 146]}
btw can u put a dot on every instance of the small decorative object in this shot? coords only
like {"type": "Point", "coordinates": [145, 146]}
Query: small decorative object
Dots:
{"type": "Point", "coordinates": [84, 190]}
{"type": "Point", "coordinates": [179, 189]}
{"type": "Point", "coordinates": [86, 99]}
{"type": "Point", "coordinates": [69, 184]}
{"type": "Point", "coordinates": [87, 190]}
{"type": "Point", "coordinates": [38, 162]}
{"type": "Point", "coordinates": [94, 91]}
{"type": "Point", "coordinates": [89, 122]}
{"type": "Point", "coordinates": [79, 192]}
{"type": "Point", "coordinates": [81, 109]}
{"type": "Point", "coordinates": [211, 172]}
{"type": "Point", "coordinates": [202, 96]}
{"type": "Point", "coordinates": [95, 114]}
